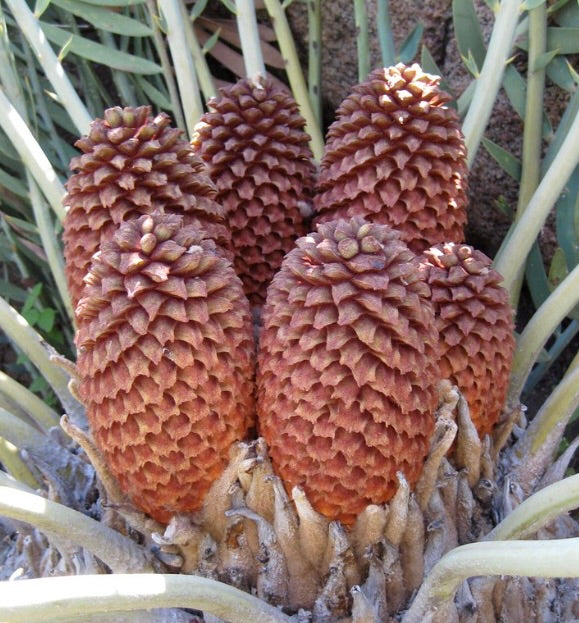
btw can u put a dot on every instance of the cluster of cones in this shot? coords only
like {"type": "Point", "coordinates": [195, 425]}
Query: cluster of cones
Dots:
{"type": "Point", "coordinates": [169, 245]}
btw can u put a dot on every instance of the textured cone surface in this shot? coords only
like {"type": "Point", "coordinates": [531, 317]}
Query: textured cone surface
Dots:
{"type": "Point", "coordinates": [475, 321]}
{"type": "Point", "coordinates": [132, 164]}
{"type": "Point", "coordinates": [254, 143]}
{"type": "Point", "coordinates": [166, 356]}
{"type": "Point", "coordinates": [347, 367]}
{"type": "Point", "coordinates": [396, 155]}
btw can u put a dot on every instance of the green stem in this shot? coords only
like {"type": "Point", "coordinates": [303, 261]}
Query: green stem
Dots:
{"type": "Point", "coordinates": [120, 78]}
{"type": "Point", "coordinates": [50, 64]}
{"type": "Point", "coordinates": [15, 409]}
{"type": "Point", "coordinates": [491, 75]}
{"type": "Point", "coordinates": [8, 75]}
{"type": "Point", "coordinates": [558, 558]}
{"type": "Point", "coordinates": [362, 39]}
{"type": "Point", "coordinates": [12, 249]}
{"type": "Point", "coordinates": [201, 68]}
{"type": "Point", "coordinates": [561, 342]}
{"type": "Point", "coordinates": [249, 36]}
{"type": "Point", "coordinates": [19, 432]}
{"type": "Point", "coordinates": [38, 94]}
{"type": "Point", "coordinates": [183, 63]}
{"type": "Point", "coordinates": [166, 64]}
{"type": "Point", "coordinates": [32, 155]}
{"type": "Point", "coordinates": [385, 35]}
{"type": "Point", "coordinates": [532, 131]}
{"type": "Point", "coordinates": [315, 57]}
{"type": "Point", "coordinates": [533, 127]}
{"type": "Point", "coordinates": [39, 353]}
{"type": "Point", "coordinates": [538, 330]}
{"type": "Point", "coordinates": [13, 462]}
{"type": "Point", "coordinates": [50, 244]}
{"type": "Point", "coordinates": [30, 403]}
{"type": "Point", "coordinates": [47, 600]}
{"type": "Point", "coordinates": [295, 75]}
{"type": "Point", "coordinates": [510, 260]}
{"type": "Point", "coordinates": [549, 424]}
{"type": "Point", "coordinates": [6, 480]}
{"type": "Point", "coordinates": [538, 510]}
{"type": "Point", "coordinates": [120, 553]}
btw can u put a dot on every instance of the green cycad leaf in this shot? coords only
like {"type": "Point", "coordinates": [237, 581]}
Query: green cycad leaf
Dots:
{"type": "Point", "coordinates": [565, 13]}
{"type": "Point", "coordinates": [100, 53]}
{"type": "Point", "coordinates": [11, 292]}
{"type": "Point", "coordinates": [558, 269]}
{"type": "Point", "coordinates": [210, 43]}
{"type": "Point", "coordinates": [104, 18]}
{"type": "Point", "coordinates": [567, 220]}
{"type": "Point", "coordinates": [409, 47]}
{"type": "Point", "coordinates": [557, 6]}
{"type": "Point", "coordinates": [544, 59]}
{"type": "Point", "coordinates": [537, 276]}
{"type": "Point", "coordinates": [468, 32]}
{"type": "Point", "coordinates": [515, 87]}
{"type": "Point", "coordinates": [153, 94]}
{"type": "Point", "coordinates": [40, 7]}
{"type": "Point", "coordinates": [470, 63]}
{"type": "Point", "coordinates": [516, 90]}
{"type": "Point", "coordinates": [505, 159]}
{"type": "Point", "coordinates": [560, 71]}
{"type": "Point", "coordinates": [198, 8]}
{"type": "Point", "coordinates": [13, 184]}
{"type": "Point", "coordinates": [566, 40]}
{"type": "Point", "coordinates": [230, 4]}
{"type": "Point", "coordinates": [65, 49]}
{"type": "Point", "coordinates": [429, 65]}
{"type": "Point", "coordinates": [563, 40]}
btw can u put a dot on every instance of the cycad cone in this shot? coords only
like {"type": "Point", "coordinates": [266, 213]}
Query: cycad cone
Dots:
{"type": "Point", "coordinates": [396, 155]}
{"type": "Point", "coordinates": [254, 144]}
{"type": "Point", "coordinates": [132, 164]}
{"type": "Point", "coordinates": [166, 358]}
{"type": "Point", "coordinates": [475, 321]}
{"type": "Point", "coordinates": [348, 367]}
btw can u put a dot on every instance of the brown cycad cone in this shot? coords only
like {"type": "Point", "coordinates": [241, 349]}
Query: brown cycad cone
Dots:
{"type": "Point", "coordinates": [475, 321]}
{"type": "Point", "coordinates": [166, 358]}
{"type": "Point", "coordinates": [347, 367]}
{"type": "Point", "coordinates": [132, 164]}
{"type": "Point", "coordinates": [254, 143]}
{"type": "Point", "coordinates": [396, 155]}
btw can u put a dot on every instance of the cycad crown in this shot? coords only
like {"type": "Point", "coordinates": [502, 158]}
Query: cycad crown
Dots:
{"type": "Point", "coordinates": [132, 164]}
{"type": "Point", "coordinates": [347, 367]}
{"type": "Point", "coordinates": [396, 155]}
{"type": "Point", "coordinates": [166, 358]}
{"type": "Point", "coordinates": [475, 321]}
{"type": "Point", "coordinates": [254, 143]}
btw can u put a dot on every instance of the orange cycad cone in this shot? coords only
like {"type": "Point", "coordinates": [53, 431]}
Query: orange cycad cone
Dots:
{"type": "Point", "coordinates": [132, 164]}
{"type": "Point", "coordinates": [396, 155]}
{"type": "Point", "coordinates": [254, 143]}
{"type": "Point", "coordinates": [348, 367]}
{"type": "Point", "coordinates": [475, 321]}
{"type": "Point", "coordinates": [166, 358]}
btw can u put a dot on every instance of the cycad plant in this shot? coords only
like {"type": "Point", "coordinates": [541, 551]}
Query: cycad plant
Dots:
{"type": "Point", "coordinates": [378, 464]}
